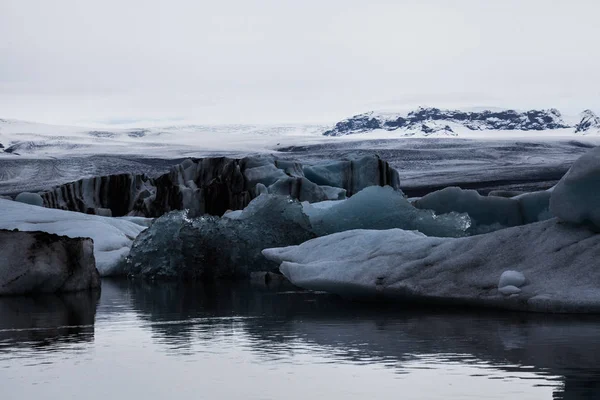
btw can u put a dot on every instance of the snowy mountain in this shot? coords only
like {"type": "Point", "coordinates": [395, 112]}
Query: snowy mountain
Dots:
{"type": "Point", "coordinates": [435, 121]}
{"type": "Point", "coordinates": [34, 140]}
{"type": "Point", "coordinates": [589, 123]}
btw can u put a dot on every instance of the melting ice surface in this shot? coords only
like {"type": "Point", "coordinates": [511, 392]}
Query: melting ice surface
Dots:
{"type": "Point", "coordinates": [145, 341]}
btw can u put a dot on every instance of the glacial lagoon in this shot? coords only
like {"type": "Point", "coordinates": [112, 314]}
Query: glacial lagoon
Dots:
{"type": "Point", "coordinates": [144, 340]}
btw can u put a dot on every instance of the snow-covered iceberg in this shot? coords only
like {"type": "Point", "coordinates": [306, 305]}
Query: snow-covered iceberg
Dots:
{"type": "Point", "coordinates": [38, 262]}
{"type": "Point", "coordinates": [112, 236]}
{"type": "Point", "coordinates": [558, 263]}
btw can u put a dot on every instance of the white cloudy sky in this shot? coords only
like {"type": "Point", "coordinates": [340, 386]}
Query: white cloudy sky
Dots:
{"type": "Point", "coordinates": [112, 61]}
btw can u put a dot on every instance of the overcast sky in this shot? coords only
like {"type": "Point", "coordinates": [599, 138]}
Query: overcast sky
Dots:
{"type": "Point", "coordinates": [236, 61]}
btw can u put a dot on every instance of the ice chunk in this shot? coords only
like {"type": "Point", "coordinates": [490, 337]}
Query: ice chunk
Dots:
{"type": "Point", "coordinates": [112, 236]}
{"type": "Point", "coordinates": [233, 214]}
{"type": "Point", "coordinates": [482, 210]}
{"type": "Point", "coordinates": [511, 278]}
{"type": "Point", "coordinates": [176, 246]}
{"type": "Point", "coordinates": [559, 261]}
{"type": "Point", "coordinates": [304, 190]}
{"type": "Point", "coordinates": [489, 213]}
{"type": "Point", "coordinates": [534, 206]}
{"type": "Point", "coordinates": [509, 290]}
{"type": "Point", "coordinates": [383, 208]}
{"type": "Point", "coordinates": [38, 262]}
{"type": "Point", "coordinates": [354, 175]}
{"type": "Point", "coordinates": [33, 199]}
{"type": "Point", "coordinates": [576, 197]}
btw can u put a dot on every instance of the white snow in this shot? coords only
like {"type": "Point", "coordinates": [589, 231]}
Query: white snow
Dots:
{"type": "Point", "coordinates": [112, 236]}
{"type": "Point", "coordinates": [35, 140]}
{"type": "Point", "coordinates": [559, 261]}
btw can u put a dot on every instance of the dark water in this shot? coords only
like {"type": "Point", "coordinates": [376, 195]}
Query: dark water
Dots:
{"type": "Point", "coordinates": [144, 341]}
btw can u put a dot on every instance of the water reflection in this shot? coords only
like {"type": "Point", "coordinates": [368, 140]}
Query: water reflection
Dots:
{"type": "Point", "coordinates": [45, 320]}
{"type": "Point", "coordinates": [278, 325]}
{"type": "Point", "coordinates": [550, 345]}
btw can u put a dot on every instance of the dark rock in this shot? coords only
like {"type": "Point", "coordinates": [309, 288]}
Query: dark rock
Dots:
{"type": "Point", "coordinates": [39, 262]}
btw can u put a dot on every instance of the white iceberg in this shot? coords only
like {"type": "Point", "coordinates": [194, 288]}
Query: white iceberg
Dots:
{"type": "Point", "coordinates": [559, 261]}
{"type": "Point", "coordinates": [112, 236]}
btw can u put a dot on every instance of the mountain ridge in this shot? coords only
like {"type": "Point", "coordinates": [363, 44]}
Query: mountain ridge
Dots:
{"type": "Point", "coordinates": [432, 120]}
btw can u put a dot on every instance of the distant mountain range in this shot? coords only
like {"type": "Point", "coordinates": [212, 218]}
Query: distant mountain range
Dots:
{"type": "Point", "coordinates": [428, 121]}
{"type": "Point", "coordinates": [31, 139]}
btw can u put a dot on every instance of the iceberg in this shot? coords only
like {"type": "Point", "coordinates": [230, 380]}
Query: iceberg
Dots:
{"type": "Point", "coordinates": [179, 247]}
{"type": "Point", "coordinates": [216, 184]}
{"type": "Point", "coordinates": [304, 190]}
{"type": "Point", "coordinates": [558, 260]}
{"type": "Point", "coordinates": [382, 208]}
{"type": "Point", "coordinates": [354, 175]}
{"type": "Point", "coordinates": [38, 262]}
{"type": "Point", "coordinates": [207, 247]}
{"type": "Point", "coordinates": [112, 236]}
{"type": "Point", "coordinates": [30, 198]}
{"type": "Point", "coordinates": [576, 197]}
{"type": "Point", "coordinates": [489, 213]}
